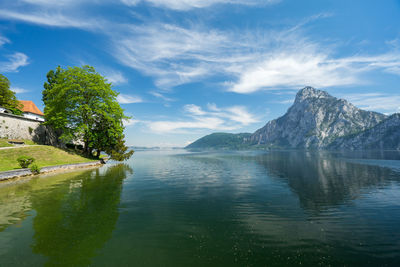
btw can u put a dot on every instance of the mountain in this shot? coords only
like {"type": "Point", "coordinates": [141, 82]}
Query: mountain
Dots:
{"type": "Point", "coordinates": [221, 141]}
{"type": "Point", "coordinates": [314, 121]}
{"type": "Point", "coordinates": [383, 136]}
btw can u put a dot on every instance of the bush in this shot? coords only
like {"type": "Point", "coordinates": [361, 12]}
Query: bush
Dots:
{"type": "Point", "coordinates": [35, 169]}
{"type": "Point", "coordinates": [25, 161]}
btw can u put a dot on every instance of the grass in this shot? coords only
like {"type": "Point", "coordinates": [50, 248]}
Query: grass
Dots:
{"type": "Point", "coordinates": [44, 156]}
{"type": "Point", "coordinates": [4, 142]}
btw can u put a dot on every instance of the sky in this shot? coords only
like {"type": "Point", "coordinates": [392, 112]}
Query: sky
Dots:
{"type": "Point", "coordinates": [188, 68]}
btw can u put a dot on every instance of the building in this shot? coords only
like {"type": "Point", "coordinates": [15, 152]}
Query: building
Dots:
{"type": "Point", "coordinates": [4, 110]}
{"type": "Point", "coordinates": [31, 111]}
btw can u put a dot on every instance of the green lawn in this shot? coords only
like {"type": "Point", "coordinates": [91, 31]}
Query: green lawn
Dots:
{"type": "Point", "coordinates": [4, 142]}
{"type": "Point", "coordinates": [44, 156]}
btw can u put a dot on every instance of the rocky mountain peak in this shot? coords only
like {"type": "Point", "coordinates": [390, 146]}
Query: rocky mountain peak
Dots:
{"type": "Point", "coordinates": [314, 120]}
{"type": "Point", "coordinates": [310, 92]}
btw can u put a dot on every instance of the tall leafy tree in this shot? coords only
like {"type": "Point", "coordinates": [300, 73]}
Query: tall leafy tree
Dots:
{"type": "Point", "coordinates": [82, 105]}
{"type": "Point", "coordinates": [7, 97]}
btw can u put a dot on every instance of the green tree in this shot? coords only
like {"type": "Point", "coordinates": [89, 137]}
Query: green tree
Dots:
{"type": "Point", "coordinates": [7, 97]}
{"type": "Point", "coordinates": [82, 106]}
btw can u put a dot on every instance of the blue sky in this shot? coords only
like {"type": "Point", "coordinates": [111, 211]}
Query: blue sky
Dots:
{"type": "Point", "coordinates": [187, 68]}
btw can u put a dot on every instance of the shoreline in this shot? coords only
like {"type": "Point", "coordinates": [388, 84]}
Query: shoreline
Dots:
{"type": "Point", "coordinates": [14, 174]}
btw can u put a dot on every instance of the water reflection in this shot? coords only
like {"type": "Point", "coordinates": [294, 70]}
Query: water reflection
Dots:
{"type": "Point", "coordinates": [323, 179]}
{"type": "Point", "coordinates": [74, 216]}
{"type": "Point", "coordinates": [73, 221]}
{"type": "Point", "coordinates": [211, 209]}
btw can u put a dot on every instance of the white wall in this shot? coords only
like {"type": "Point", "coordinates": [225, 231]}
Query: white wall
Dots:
{"type": "Point", "coordinates": [33, 116]}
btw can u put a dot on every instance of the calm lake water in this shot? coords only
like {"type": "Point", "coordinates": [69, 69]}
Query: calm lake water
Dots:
{"type": "Point", "coordinates": [175, 208]}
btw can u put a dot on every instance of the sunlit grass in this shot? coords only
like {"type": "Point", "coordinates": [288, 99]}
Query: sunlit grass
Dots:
{"type": "Point", "coordinates": [44, 156]}
{"type": "Point", "coordinates": [4, 142]}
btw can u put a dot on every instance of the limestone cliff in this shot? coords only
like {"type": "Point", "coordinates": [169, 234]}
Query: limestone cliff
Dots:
{"type": "Point", "coordinates": [314, 121]}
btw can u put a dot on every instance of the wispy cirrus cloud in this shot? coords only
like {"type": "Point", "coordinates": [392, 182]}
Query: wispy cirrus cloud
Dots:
{"type": "Point", "coordinates": [311, 67]}
{"type": "Point", "coordinates": [161, 96]}
{"type": "Point", "coordinates": [14, 62]}
{"type": "Point", "coordinates": [380, 102]}
{"type": "Point", "coordinates": [213, 118]}
{"type": "Point", "coordinates": [51, 18]}
{"type": "Point", "coordinates": [128, 99]}
{"type": "Point", "coordinates": [246, 61]}
{"type": "Point", "coordinates": [191, 4]}
{"type": "Point", "coordinates": [61, 14]}
{"type": "Point", "coordinates": [249, 61]}
{"type": "Point", "coordinates": [3, 41]}
{"type": "Point", "coordinates": [172, 54]}
{"type": "Point", "coordinates": [115, 77]}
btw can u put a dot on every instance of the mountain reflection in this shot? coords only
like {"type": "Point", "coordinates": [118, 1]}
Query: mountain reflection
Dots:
{"type": "Point", "coordinates": [77, 217]}
{"type": "Point", "coordinates": [323, 179]}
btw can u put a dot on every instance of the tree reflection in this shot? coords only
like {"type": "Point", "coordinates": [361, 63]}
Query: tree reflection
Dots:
{"type": "Point", "coordinates": [75, 219]}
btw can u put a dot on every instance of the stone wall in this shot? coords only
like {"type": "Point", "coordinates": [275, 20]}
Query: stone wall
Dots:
{"type": "Point", "coordinates": [17, 127]}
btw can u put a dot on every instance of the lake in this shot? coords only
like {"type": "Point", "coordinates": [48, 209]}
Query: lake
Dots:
{"type": "Point", "coordinates": [176, 208]}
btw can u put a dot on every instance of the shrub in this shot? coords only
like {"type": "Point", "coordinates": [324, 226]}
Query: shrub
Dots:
{"type": "Point", "coordinates": [30, 129]}
{"type": "Point", "coordinates": [25, 161]}
{"type": "Point", "coordinates": [35, 169]}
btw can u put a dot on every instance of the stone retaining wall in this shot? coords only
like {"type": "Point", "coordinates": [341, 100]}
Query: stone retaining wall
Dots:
{"type": "Point", "coordinates": [17, 127]}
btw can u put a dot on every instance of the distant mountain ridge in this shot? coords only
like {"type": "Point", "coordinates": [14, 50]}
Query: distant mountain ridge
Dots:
{"type": "Point", "coordinates": [222, 141]}
{"type": "Point", "coordinates": [317, 120]}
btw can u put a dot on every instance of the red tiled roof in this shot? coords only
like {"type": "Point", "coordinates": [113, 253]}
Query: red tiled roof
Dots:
{"type": "Point", "coordinates": [29, 106]}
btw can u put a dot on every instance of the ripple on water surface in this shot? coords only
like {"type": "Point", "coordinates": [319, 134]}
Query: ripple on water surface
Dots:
{"type": "Point", "coordinates": [221, 209]}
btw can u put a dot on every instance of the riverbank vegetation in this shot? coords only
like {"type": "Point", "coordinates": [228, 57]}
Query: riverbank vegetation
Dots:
{"type": "Point", "coordinates": [82, 106]}
{"type": "Point", "coordinates": [8, 99]}
{"type": "Point", "coordinates": [44, 156]}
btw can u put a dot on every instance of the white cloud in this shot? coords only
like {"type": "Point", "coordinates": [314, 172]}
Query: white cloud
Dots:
{"type": "Point", "coordinates": [115, 77]}
{"type": "Point", "coordinates": [128, 99]}
{"type": "Point", "coordinates": [254, 61]}
{"type": "Point", "coordinates": [194, 110]}
{"type": "Point", "coordinates": [130, 122]}
{"type": "Point", "coordinates": [15, 61]}
{"type": "Point", "coordinates": [216, 119]}
{"type": "Point", "coordinates": [19, 90]}
{"type": "Point", "coordinates": [161, 96]}
{"type": "Point", "coordinates": [3, 40]}
{"type": "Point", "coordinates": [47, 3]}
{"type": "Point", "coordinates": [190, 4]}
{"type": "Point", "coordinates": [380, 102]}
{"type": "Point", "coordinates": [173, 55]}
{"type": "Point", "coordinates": [51, 18]}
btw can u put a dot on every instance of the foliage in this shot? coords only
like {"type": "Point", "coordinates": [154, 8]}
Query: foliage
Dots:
{"type": "Point", "coordinates": [120, 151]}
{"type": "Point", "coordinates": [25, 161]}
{"type": "Point", "coordinates": [81, 104]}
{"type": "Point", "coordinates": [34, 169]}
{"type": "Point", "coordinates": [222, 141]}
{"type": "Point", "coordinates": [7, 97]}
